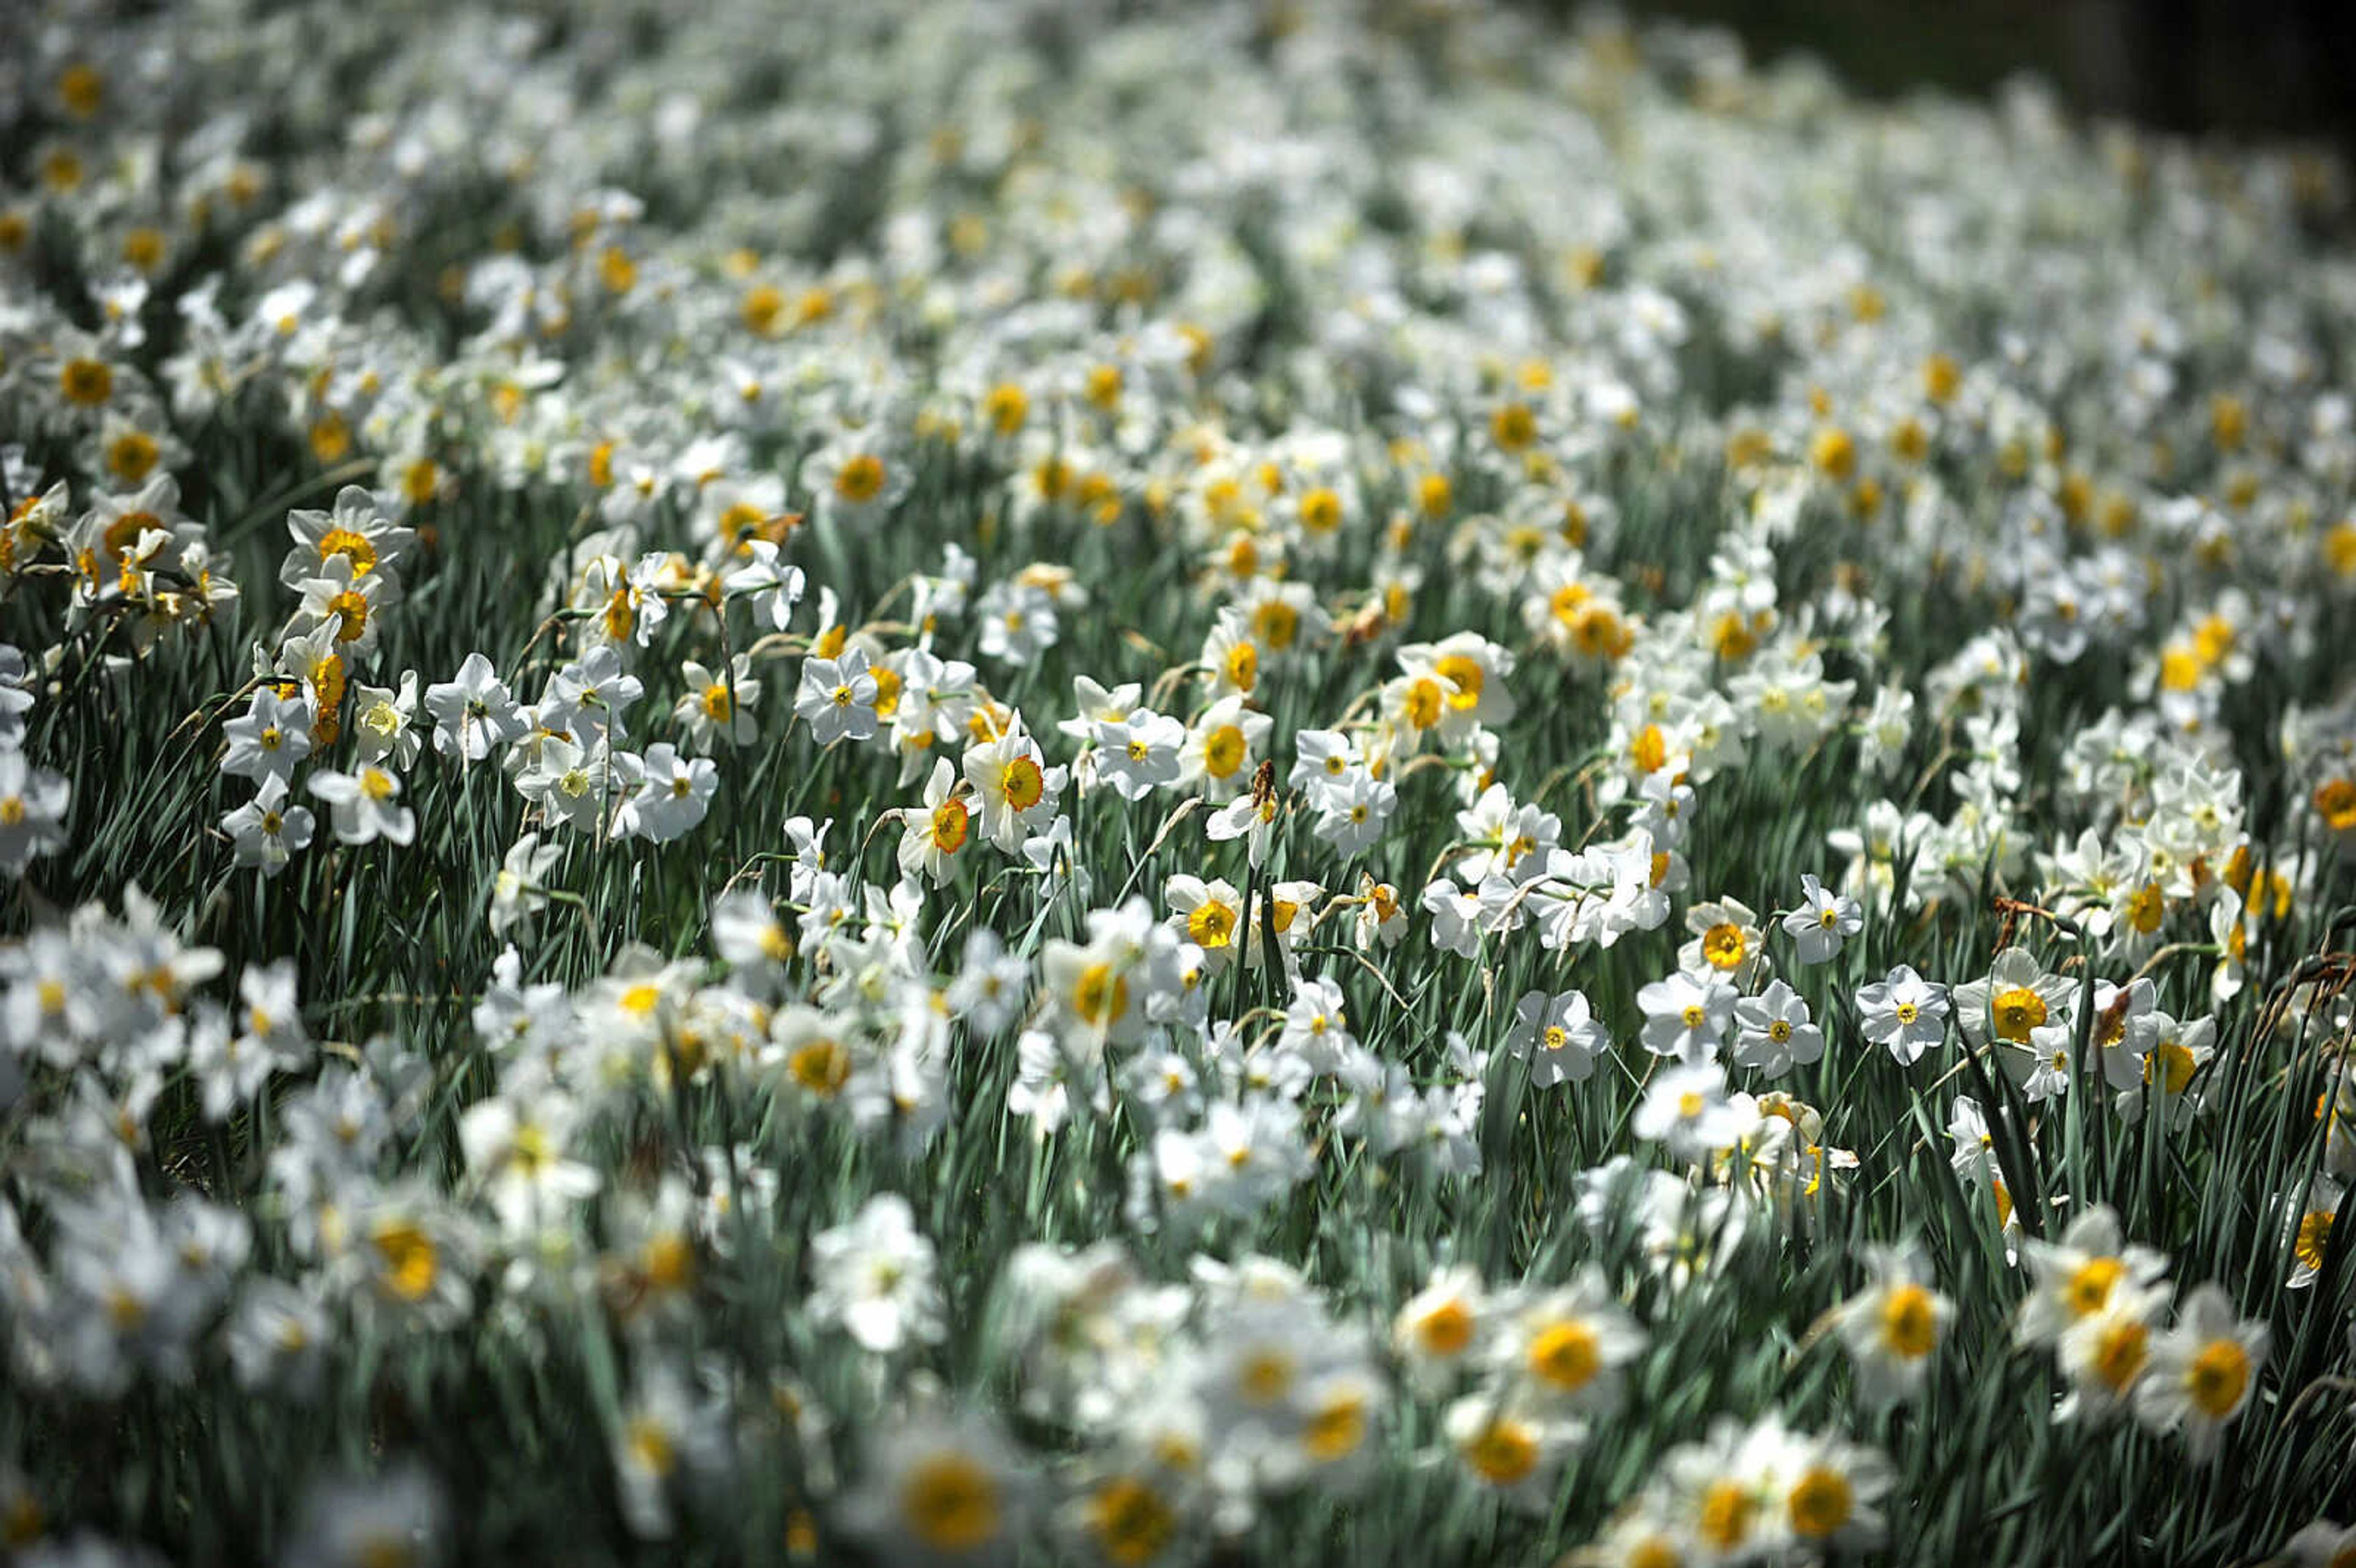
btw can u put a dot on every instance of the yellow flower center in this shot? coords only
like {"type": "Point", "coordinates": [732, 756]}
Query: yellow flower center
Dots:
{"type": "Point", "coordinates": [1335, 1430]}
{"type": "Point", "coordinates": [649, 1446]}
{"type": "Point", "coordinates": [1131, 1522]}
{"type": "Point", "coordinates": [2170, 1066]}
{"type": "Point", "coordinates": [1910, 1322]}
{"type": "Point", "coordinates": [1446, 1329]}
{"type": "Point", "coordinates": [1724, 1516]}
{"type": "Point", "coordinates": [2216, 1379]}
{"type": "Point", "coordinates": [349, 611]}
{"type": "Point", "coordinates": [420, 481]}
{"type": "Point", "coordinates": [861, 479]}
{"type": "Point", "coordinates": [2335, 801]}
{"type": "Point", "coordinates": [1502, 1452]}
{"type": "Point", "coordinates": [1425, 697]}
{"type": "Point", "coordinates": [1598, 633]}
{"type": "Point", "coordinates": [1724, 945]}
{"type": "Point", "coordinates": [1211, 925]}
{"type": "Point", "coordinates": [1650, 750]}
{"type": "Point", "coordinates": [887, 691]}
{"type": "Point", "coordinates": [2089, 1285]}
{"type": "Point", "coordinates": [1321, 511]}
{"type": "Point", "coordinates": [1820, 1503]}
{"type": "Point", "coordinates": [1223, 751]}
{"type": "Point", "coordinates": [821, 1067]}
{"type": "Point", "coordinates": [621, 616]}
{"type": "Point", "coordinates": [1468, 676]}
{"type": "Point", "coordinates": [82, 89]}
{"type": "Point", "coordinates": [1022, 783]}
{"type": "Point", "coordinates": [331, 437]}
{"type": "Point", "coordinates": [1513, 426]}
{"type": "Point", "coordinates": [2314, 1236]}
{"type": "Point", "coordinates": [763, 305]}
{"type": "Point", "coordinates": [1566, 1355]}
{"type": "Point", "coordinates": [1265, 1378]}
{"type": "Point", "coordinates": [132, 455]}
{"type": "Point", "coordinates": [1434, 496]}
{"type": "Point", "coordinates": [121, 534]}
{"type": "Point", "coordinates": [1243, 667]}
{"type": "Point", "coordinates": [411, 1261]}
{"type": "Point", "coordinates": [951, 823]}
{"type": "Point", "coordinates": [2120, 1354]}
{"type": "Point", "coordinates": [1101, 995]}
{"type": "Point", "coordinates": [86, 382]}
{"type": "Point", "coordinates": [1006, 407]}
{"type": "Point", "coordinates": [950, 1503]}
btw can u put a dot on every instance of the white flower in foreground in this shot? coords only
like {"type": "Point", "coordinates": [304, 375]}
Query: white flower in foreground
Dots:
{"type": "Point", "coordinates": [574, 785]}
{"type": "Point", "coordinates": [1355, 812]}
{"type": "Point", "coordinates": [673, 794]}
{"type": "Point", "coordinates": [1565, 1347]}
{"type": "Point", "coordinates": [1317, 1026]}
{"type": "Point", "coordinates": [1686, 1111]}
{"type": "Point", "coordinates": [1686, 1017]}
{"type": "Point", "coordinates": [268, 738]}
{"type": "Point", "coordinates": [364, 805]}
{"type": "Point", "coordinates": [1904, 1013]}
{"type": "Point", "coordinates": [1559, 1036]}
{"type": "Point", "coordinates": [519, 890]}
{"type": "Point", "coordinates": [2107, 1354]}
{"type": "Point", "coordinates": [1441, 1326]}
{"type": "Point", "coordinates": [718, 704]}
{"type": "Point", "coordinates": [2202, 1371]}
{"type": "Point", "coordinates": [1511, 1450]}
{"type": "Point", "coordinates": [515, 1147]}
{"type": "Point", "coordinates": [1014, 790]}
{"type": "Point", "coordinates": [837, 698]}
{"type": "Point", "coordinates": [1824, 920]}
{"type": "Point", "coordinates": [395, 1517]}
{"type": "Point", "coordinates": [590, 699]}
{"type": "Point", "coordinates": [1772, 1031]}
{"type": "Point", "coordinates": [472, 711]}
{"type": "Point", "coordinates": [666, 1434]}
{"type": "Point", "coordinates": [1250, 818]}
{"type": "Point", "coordinates": [1892, 1328]}
{"type": "Point", "coordinates": [771, 590]}
{"type": "Point", "coordinates": [384, 721]}
{"type": "Point", "coordinates": [939, 1491]}
{"type": "Point", "coordinates": [874, 1278]}
{"type": "Point", "coordinates": [2077, 1274]}
{"type": "Point", "coordinates": [267, 831]}
{"type": "Point", "coordinates": [932, 834]}
{"type": "Point", "coordinates": [1138, 754]}
{"type": "Point", "coordinates": [2322, 1544]}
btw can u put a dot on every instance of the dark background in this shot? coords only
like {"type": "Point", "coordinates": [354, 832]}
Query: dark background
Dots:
{"type": "Point", "coordinates": [2244, 70]}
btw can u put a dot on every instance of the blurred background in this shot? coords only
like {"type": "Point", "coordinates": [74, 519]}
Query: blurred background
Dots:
{"type": "Point", "coordinates": [2244, 69]}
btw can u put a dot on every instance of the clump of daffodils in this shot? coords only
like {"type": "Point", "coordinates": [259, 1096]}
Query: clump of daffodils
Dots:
{"type": "Point", "coordinates": [1050, 783]}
